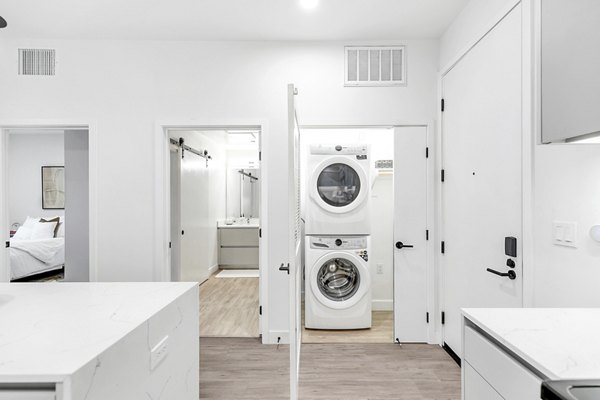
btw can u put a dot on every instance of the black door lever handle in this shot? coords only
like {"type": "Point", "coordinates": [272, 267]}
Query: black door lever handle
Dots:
{"type": "Point", "coordinates": [400, 245]}
{"type": "Point", "coordinates": [284, 268]}
{"type": "Point", "coordinates": [512, 275]}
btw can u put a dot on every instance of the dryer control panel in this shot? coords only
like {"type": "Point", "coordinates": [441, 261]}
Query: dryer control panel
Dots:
{"type": "Point", "coordinates": [339, 243]}
{"type": "Point", "coordinates": [344, 150]}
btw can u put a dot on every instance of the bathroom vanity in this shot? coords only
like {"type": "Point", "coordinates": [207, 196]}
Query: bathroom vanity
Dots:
{"type": "Point", "coordinates": [93, 341]}
{"type": "Point", "coordinates": [239, 243]}
{"type": "Point", "coordinates": [509, 353]}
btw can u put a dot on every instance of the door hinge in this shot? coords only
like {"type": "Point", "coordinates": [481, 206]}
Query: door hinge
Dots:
{"type": "Point", "coordinates": [443, 247]}
{"type": "Point", "coordinates": [443, 318]}
{"type": "Point", "coordinates": [260, 310]}
{"type": "Point", "coordinates": [427, 317]}
{"type": "Point", "coordinates": [427, 234]}
{"type": "Point", "coordinates": [170, 245]}
{"type": "Point", "coordinates": [443, 104]}
{"type": "Point", "coordinates": [443, 175]}
{"type": "Point", "coordinates": [260, 156]}
{"type": "Point", "coordinates": [426, 152]}
{"type": "Point", "coordinates": [7, 244]}
{"type": "Point", "coordinates": [259, 232]}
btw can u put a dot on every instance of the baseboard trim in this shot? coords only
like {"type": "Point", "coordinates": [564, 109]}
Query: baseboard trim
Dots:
{"type": "Point", "coordinates": [213, 270]}
{"type": "Point", "coordinates": [382, 305]}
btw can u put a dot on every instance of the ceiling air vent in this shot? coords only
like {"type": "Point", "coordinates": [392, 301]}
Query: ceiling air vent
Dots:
{"type": "Point", "coordinates": [375, 66]}
{"type": "Point", "coordinates": [37, 62]}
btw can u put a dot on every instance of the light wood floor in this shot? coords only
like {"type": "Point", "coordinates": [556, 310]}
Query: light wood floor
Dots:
{"type": "Point", "coordinates": [229, 307]}
{"type": "Point", "coordinates": [245, 369]}
{"type": "Point", "coordinates": [382, 331]}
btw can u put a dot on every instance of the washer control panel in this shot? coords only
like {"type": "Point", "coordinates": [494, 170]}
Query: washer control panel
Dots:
{"type": "Point", "coordinates": [339, 243]}
{"type": "Point", "coordinates": [345, 150]}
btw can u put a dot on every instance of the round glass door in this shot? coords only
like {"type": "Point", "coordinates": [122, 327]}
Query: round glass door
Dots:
{"type": "Point", "coordinates": [338, 185]}
{"type": "Point", "coordinates": [338, 279]}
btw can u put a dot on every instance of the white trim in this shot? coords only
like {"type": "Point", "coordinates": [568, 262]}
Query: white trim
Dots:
{"type": "Point", "coordinates": [213, 270]}
{"type": "Point", "coordinates": [508, 7]}
{"type": "Point", "coordinates": [92, 128]}
{"type": "Point", "coordinates": [382, 305]}
{"type": "Point", "coordinates": [162, 268]}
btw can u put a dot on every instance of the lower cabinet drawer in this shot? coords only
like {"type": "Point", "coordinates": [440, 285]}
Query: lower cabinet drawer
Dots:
{"type": "Point", "coordinates": [507, 376]}
{"type": "Point", "coordinates": [25, 394]}
{"type": "Point", "coordinates": [238, 256]}
{"type": "Point", "coordinates": [476, 388]}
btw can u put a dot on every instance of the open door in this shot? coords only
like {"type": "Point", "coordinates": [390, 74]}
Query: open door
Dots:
{"type": "Point", "coordinates": [295, 264]}
{"type": "Point", "coordinates": [410, 234]}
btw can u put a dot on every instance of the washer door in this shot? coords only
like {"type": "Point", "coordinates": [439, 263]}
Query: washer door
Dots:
{"type": "Point", "coordinates": [339, 280]}
{"type": "Point", "coordinates": [339, 185]}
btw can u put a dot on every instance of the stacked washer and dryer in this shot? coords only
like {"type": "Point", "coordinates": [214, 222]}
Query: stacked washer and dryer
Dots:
{"type": "Point", "coordinates": [337, 245]}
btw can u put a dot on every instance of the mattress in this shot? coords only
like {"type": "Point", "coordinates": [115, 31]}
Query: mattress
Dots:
{"type": "Point", "coordinates": [32, 257]}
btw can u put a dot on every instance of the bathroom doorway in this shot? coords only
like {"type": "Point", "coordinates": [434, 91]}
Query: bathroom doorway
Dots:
{"type": "Point", "coordinates": [215, 186]}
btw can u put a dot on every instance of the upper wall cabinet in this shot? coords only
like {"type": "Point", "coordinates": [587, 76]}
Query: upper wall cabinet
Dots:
{"type": "Point", "coordinates": [570, 71]}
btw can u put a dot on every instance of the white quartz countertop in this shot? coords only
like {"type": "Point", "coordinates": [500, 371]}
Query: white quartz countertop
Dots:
{"type": "Point", "coordinates": [253, 224]}
{"type": "Point", "coordinates": [50, 330]}
{"type": "Point", "coordinates": [559, 343]}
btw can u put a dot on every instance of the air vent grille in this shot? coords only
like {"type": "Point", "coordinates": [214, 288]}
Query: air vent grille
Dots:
{"type": "Point", "coordinates": [40, 62]}
{"type": "Point", "coordinates": [375, 66]}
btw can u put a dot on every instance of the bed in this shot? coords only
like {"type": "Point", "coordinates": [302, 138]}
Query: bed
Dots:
{"type": "Point", "coordinates": [35, 254]}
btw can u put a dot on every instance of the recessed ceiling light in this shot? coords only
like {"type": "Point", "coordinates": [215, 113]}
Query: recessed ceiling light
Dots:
{"type": "Point", "coordinates": [309, 4]}
{"type": "Point", "coordinates": [3, 23]}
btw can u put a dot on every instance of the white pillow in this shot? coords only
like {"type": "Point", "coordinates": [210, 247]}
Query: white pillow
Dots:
{"type": "Point", "coordinates": [23, 233]}
{"type": "Point", "coordinates": [61, 229]}
{"type": "Point", "coordinates": [43, 230]}
{"type": "Point", "coordinates": [30, 222]}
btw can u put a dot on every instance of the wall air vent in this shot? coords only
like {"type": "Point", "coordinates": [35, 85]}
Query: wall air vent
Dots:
{"type": "Point", "coordinates": [41, 62]}
{"type": "Point", "coordinates": [375, 66]}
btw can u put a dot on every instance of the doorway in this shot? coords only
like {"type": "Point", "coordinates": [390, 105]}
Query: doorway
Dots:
{"type": "Point", "coordinates": [397, 181]}
{"type": "Point", "coordinates": [46, 181]}
{"type": "Point", "coordinates": [215, 204]}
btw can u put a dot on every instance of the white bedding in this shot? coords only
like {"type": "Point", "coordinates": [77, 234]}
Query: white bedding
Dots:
{"type": "Point", "coordinates": [29, 257]}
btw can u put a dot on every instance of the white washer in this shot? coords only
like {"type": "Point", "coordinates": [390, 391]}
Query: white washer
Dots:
{"type": "Point", "coordinates": [338, 282]}
{"type": "Point", "coordinates": [338, 187]}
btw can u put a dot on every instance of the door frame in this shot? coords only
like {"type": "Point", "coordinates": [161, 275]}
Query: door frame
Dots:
{"type": "Point", "coordinates": [162, 216]}
{"type": "Point", "coordinates": [530, 128]}
{"type": "Point", "coordinates": [433, 277]}
{"type": "Point", "coordinates": [92, 128]}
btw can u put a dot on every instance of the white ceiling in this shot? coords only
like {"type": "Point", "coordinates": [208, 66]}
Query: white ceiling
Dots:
{"type": "Point", "coordinates": [228, 19]}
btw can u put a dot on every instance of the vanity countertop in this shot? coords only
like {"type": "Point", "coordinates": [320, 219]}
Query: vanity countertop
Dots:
{"type": "Point", "coordinates": [50, 330]}
{"type": "Point", "coordinates": [558, 343]}
{"type": "Point", "coordinates": [253, 224]}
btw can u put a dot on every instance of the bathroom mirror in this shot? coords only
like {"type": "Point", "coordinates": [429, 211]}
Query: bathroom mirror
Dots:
{"type": "Point", "coordinates": [570, 71]}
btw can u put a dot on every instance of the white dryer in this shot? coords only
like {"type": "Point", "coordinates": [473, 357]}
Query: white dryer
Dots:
{"type": "Point", "coordinates": [337, 282]}
{"type": "Point", "coordinates": [338, 186]}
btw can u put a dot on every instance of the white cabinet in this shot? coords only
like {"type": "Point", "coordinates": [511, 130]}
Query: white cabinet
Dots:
{"type": "Point", "coordinates": [238, 247]}
{"type": "Point", "coordinates": [488, 368]}
{"type": "Point", "coordinates": [27, 394]}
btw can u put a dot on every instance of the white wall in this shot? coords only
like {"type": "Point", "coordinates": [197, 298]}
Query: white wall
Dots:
{"type": "Point", "coordinates": [77, 211]}
{"type": "Point", "coordinates": [28, 152]}
{"type": "Point", "coordinates": [125, 87]}
{"type": "Point", "coordinates": [382, 201]}
{"type": "Point", "coordinates": [566, 188]}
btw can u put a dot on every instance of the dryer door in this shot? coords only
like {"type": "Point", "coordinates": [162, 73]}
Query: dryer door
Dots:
{"type": "Point", "coordinates": [339, 280]}
{"type": "Point", "coordinates": [339, 185]}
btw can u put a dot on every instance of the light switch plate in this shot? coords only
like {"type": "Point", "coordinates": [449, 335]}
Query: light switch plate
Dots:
{"type": "Point", "coordinates": [159, 353]}
{"type": "Point", "coordinates": [564, 233]}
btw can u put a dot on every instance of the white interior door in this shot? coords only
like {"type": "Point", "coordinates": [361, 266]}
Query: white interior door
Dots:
{"type": "Point", "coordinates": [295, 265]}
{"type": "Point", "coordinates": [482, 193]}
{"type": "Point", "coordinates": [410, 234]}
{"type": "Point", "coordinates": [194, 218]}
{"type": "Point", "coordinates": [175, 212]}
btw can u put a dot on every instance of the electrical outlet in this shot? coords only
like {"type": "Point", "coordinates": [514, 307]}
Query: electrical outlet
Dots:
{"type": "Point", "coordinates": [379, 269]}
{"type": "Point", "coordinates": [159, 353]}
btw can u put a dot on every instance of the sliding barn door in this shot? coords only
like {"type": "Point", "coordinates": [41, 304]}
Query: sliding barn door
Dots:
{"type": "Point", "coordinates": [482, 194]}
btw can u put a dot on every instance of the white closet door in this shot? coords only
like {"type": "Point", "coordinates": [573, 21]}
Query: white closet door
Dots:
{"type": "Point", "coordinates": [482, 194]}
{"type": "Point", "coordinates": [194, 183]}
{"type": "Point", "coordinates": [175, 205]}
{"type": "Point", "coordinates": [410, 242]}
{"type": "Point", "coordinates": [295, 265]}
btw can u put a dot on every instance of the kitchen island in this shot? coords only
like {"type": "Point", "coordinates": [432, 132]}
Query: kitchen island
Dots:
{"type": "Point", "coordinates": [72, 341]}
{"type": "Point", "coordinates": [508, 353]}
